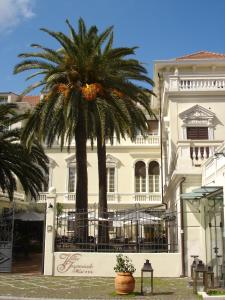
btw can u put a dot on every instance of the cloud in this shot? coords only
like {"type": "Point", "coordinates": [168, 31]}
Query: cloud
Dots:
{"type": "Point", "coordinates": [13, 12]}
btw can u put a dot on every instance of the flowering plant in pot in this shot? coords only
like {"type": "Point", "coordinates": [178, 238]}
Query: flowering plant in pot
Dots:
{"type": "Point", "coordinates": [124, 280]}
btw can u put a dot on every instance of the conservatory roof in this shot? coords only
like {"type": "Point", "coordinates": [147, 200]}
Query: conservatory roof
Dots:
{"type": "Point", "coordinates": [215, 192]}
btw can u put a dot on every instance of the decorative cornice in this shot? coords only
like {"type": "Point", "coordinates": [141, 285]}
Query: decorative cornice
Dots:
{"type": "Point", "coordinates": [197, 112]}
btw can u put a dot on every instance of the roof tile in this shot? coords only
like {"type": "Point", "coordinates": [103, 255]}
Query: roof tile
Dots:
{"type": "Point", "coordinates": [33, 100]}
{"type": "Point", "coordinates": [202, 55]}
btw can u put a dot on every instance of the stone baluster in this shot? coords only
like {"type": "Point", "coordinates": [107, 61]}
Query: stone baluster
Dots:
{"type": "Point", "coordinates": [204, 153]}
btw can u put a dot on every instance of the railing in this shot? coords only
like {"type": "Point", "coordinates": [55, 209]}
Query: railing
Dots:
{"type": "Point", "coordinates": [153, 140]}
{"type": "Point", "coordinates": [196, 84]}
{"type": "Point", "coordinates": [214, 167]}
{"type": "Point", "coordinates": [198, 151]}
{"type": "Point", "coordinates": [116, 231]}
{"type": "Point", "coordinates": [149, 140]}
{"type": "Point", "coordinates": [150, 197]}
{"type": "Point", "coordinates": [201, 84]}
{"type": "Point", "coordinates": [17, 196]}
{"type": "Point", "coordinates": [122, 198]}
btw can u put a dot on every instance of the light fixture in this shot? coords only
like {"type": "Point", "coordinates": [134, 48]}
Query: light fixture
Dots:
{"type": "Point", "coordinates": [147, 268]}
{"type": "Point", "coordinates": [218, 154]}
{"type": "Point", "coordinates": [50, 205]}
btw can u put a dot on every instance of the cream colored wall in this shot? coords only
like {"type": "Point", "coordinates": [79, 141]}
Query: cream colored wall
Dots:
{"type": "Point", "coordinates": [194, 234]}
{"type": "Point", "coordinates": [126, 156]}
{"type": "Point", "coordinates": [102, 264]}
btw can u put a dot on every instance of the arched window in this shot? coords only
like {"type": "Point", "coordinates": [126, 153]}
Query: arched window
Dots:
{"type": "Point", "coordinates": [153, 177]}
{"type": "Point", "coordinates": [140, 177]}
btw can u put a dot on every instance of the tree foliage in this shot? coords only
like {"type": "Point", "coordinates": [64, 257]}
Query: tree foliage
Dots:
{"type": "Point", "coordinates": [18, 163]}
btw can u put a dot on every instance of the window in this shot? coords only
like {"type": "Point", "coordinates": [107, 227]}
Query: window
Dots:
{"type": "Point", "coordinates": [72, 178]}
{"type": "Point", "coordinates": [153, 175]}
{"type": "Point", "coordinates": [45, 186]}
{"type": "Point", "coordinates": [71, 220]}
{"type": "Point", "coordinates": [197, 133]}
{"type": "Point", "coordinates": [112, 164]}
{"type": "Point", "coordinates": [140, 177]}
{"type": "Point", "coordinates": [153, 127]}
{"type": "Point", "coordinates": [3, 99]}
{"type": "Point", "coordinates": [110, 180]}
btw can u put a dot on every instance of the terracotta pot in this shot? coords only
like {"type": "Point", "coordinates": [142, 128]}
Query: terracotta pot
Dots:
{"type": "Point", "coordinates": [124, 283]}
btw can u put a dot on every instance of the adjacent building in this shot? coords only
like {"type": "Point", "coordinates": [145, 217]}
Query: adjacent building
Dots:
{"type": "Point", "coordinates": [191, 92]}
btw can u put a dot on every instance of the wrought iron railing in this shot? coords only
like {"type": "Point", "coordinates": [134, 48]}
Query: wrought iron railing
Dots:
{"type": "Point", "coordinates": [145, 230]}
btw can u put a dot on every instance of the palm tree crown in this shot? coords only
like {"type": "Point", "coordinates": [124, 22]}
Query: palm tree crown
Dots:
{"type": "Point", "coordinates": [17, 163]}
{"type": "Point", "coordinates": [89, 91]}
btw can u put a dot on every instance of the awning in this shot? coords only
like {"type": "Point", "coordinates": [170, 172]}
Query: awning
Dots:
{"type": "Point", "coordinates": [29, 216]}
{"type": "Point", "coordinates": [214, 192]}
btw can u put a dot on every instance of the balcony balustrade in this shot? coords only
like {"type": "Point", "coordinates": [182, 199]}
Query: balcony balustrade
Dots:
{"type": "Point", "coordinates": [117, 198]}
{"type": "Point", "coordinates": [195, 152]}
{"type": "Point", "coordinates": [196, 84]}
{"type": "Point", "coordinates": [214, 167]}
{"type": "Point", "coordinates": [150, 140]}
{"type": "Point", "coordinates": [16, 196]}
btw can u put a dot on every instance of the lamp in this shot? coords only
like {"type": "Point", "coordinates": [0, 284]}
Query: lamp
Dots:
{"type": "Point", "coordinates": [200, 268]}
{"type": "Point", "coordinates": [193, 265]}
{"type": "Point", "coordinates": [147, 268]}
{"type": "Point", "coordinates": [217, 154]}
{"type": "Point", "coordinates": [50, 205]}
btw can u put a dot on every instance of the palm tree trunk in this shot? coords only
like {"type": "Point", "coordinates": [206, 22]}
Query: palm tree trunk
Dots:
{"type": "Point", "coordinates": [81, 223]}
{"type": "Point", "coordinates": [103, 235]}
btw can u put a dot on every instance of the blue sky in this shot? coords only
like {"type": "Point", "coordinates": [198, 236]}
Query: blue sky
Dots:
{"type": "Point", "coordinates": [162, 29]}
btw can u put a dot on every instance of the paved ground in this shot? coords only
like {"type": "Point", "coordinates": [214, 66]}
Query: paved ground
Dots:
{"type": "Point", "coordinates": [19, 285]}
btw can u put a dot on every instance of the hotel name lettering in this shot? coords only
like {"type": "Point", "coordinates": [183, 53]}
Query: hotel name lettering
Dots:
{"type": "Point", "coordinates": [70, 262]}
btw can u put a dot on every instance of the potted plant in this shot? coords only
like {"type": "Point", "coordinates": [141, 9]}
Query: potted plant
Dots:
{"type": "Point", "coordinates": [124, 280]}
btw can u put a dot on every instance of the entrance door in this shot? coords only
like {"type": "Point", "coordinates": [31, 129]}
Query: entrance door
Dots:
{"type": "Point", "coordinates": [6, 240]}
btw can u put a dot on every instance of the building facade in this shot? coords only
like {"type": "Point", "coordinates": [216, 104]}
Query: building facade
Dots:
{"type": "Point", "coordinates": [180, 166]}
{"type": "Point", "coordinates": [191, 90]}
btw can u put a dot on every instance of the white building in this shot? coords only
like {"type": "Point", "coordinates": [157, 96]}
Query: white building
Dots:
{"type": "Point", "coordinates": [192, 94]}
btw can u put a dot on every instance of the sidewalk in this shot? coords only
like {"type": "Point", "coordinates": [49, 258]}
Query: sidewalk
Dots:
{"type": "Point", "coordinates": [14, 286]}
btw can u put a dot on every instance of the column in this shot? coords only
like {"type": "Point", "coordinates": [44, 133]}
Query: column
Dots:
{"type": "Point", "coordinates": [50, 233]}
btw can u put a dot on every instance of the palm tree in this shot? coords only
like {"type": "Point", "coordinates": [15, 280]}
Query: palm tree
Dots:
{"type": "Point", "coordinates": [82, 82]}
{"type": "Point", "coordinates": [118, 127]}
{"type": "Point", "coordinates": [17, 163]}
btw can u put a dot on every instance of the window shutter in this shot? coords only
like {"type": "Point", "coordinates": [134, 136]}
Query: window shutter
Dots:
{"type": "Point", "coordinates": [197, 133]}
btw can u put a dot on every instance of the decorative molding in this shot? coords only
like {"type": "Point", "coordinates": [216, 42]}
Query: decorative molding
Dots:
{"type": "Point", "coordinates": [52, 163]}
{"type": "Point", "coordinates": [111, 161]}
{"type": "Point", "coordinates": [197, 116]}
{"type": "Point", "coordinates": [71, 159]}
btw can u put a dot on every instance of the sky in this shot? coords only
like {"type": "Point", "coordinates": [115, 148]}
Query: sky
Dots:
{"type": "Point", "coordinates": [162, 29]}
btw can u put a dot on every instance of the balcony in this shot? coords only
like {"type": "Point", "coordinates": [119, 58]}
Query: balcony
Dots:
{"type": "Point", "coordinates": [150, 140]}
{"type": "Point", "coordinates": [16, 196]}
{"type": "Point", "coordinates": [194, 153]}
{"type": "Point", "coordinates": [184, 83]}
{"type": "Point", "coordinates": [213, 169]}
{"type": "Point", "coordinates": [112, 198]}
